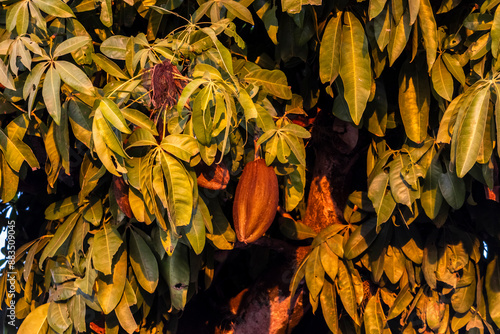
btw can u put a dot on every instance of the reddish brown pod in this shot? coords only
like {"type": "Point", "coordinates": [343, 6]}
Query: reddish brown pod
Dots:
{"type": "Point", "coordinates": [215, 177]}
{"type": "Point", "coordinates": [256, 201]}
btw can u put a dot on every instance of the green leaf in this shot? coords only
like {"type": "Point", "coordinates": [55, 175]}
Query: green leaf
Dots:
{"type": "Point", "coordinates": [399, 38]}
{"type": "Point", "coordinates": [296, 146]}
{"type": "Point", "coordinates": [374, 317]}
{"type": "Point", "coordinates": [77, 310]}
{"type": "Point", "coordinates": [470, 134]}
{"type": "Point", "coordinates": [71, 45]}
{"type": "Point", "coordinates": [360, 239]}
{"type": "Point", "coordinates": [51, 93]}
{"type": "Point", "coordinates": [12, 14]}
{"type": "Point", "coordinates": [143, 262]}
{"type": "Point", "coordinates": [394, 264]}
{"type": "Point", "coordinates": [315, 274]}
{"type": "Point", "coordinates": [16, 152]}
{"type": "Point", "coordinates": [138, 118]}
{"type": "Point", "coordinates": [400, 189]}
{"type": "Point", "coordinates": [453, 189]}
{"type": "Point", "coordinates": [355, 67]}
{"type": "Point", "coordinates": [495, 33]}
{"type": "Point", "coordinates": [82, 128]}
{"type": "Point", "coordinates": [22, 20]}
{"type": "Point", "coordinates": [431, 197]}
{"type": "Point", "coordinates": [375, 8]}
{"type": "Point", "coordinates": [74, 77]}
{"type": "Point", "coordinates": [442, 80]}
{"type": "Point", "coordinates": [492, 284]}
{"type": "Point", "coordinates": [184, 147]}
{"type": "Point", "coordinates": [110, 288]}
{"type": "Point", "coordinates": [330, 262]}
{"type": "Point", "coordinates": [36, 321]}
{"type": "Point", "coordinates": [464, 297]}
{"type": "Point", "coordinates": [347, 293]}
{"type": "Point", "coordinates": [113, 115]}
{"type": "Point", "coordinates": [115, 47]}
{"type": "Point", "coordinates": [6, 78]}
{"type": "Point", "coordinates": [58, 316]}
{"type": "Point", "coordinates": [274, 82]}
{"type": "Point", "coordinates": [427, 24]}
{"type": "Point", "coordinates": [296, 130]}
{"type": "Point", "coordinates": [106, 243]}
{"type": "Point", "coordinates": [248, 105]}
{"type": "Point", "coordinates": [403, 299]}
{"type": "Point", "coordinates": [238, 10]}
{"type": "Point", "coordinates": [180, 194]}
{"type": "Point", "coordinates": [196, 232]}
{"type": "Point", "coordinates": [123, 312]}
{"type": "Point", "coordinates": [54, 7]}
{"type": "Point", "coordinates": [175, 270]}
{"type": "Point", "coordinates": [108, 66]}
{"type": "Point", "coordinates": [101, 130]}
{"type": "Point", "coordinates": [454, 67]}
{"type": "Point", "coordinates": [414, 101]}
{"type": "Point", "coordinates": [187, 92]}
{"type": "Point", "coordinates": [294, 186]}
{"type": "Point", "coordinates": [93, 212]}
{"type": "Point", "coordinates": [382, 28]}
{"type": "Point", "coordinates": [62, 208]}
{"type": "Point", "coordinates": [62, 234]}
{"type": "Point", "coordinates": [295, 6]}
{"type": "Point", "coordinates": [382, 200]}
{"type": "Point", "coordinates": [328, 301]}
{"type": "Point", "coordinates": [329, 51]}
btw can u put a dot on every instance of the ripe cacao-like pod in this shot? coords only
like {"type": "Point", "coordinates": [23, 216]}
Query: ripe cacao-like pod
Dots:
{"type": "Point", "coordinates": [255, 202]}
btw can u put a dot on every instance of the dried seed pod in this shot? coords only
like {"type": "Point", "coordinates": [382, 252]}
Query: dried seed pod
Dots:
{"type": "Point", "coordinates": [256, 201]}
{"type": "Point", "coordinates": [215, 177]}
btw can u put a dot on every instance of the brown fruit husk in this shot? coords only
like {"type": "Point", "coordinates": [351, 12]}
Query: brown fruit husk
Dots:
{"type": "Point", "coordinates": [214, 177]}
{"type": "Point", "coordinates": [121, 195]}
{"type": "Point", "coordinates": [255, 202]}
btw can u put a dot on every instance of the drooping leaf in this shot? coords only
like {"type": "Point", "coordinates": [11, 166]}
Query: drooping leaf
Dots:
{"type": "Point", "coordinates": [274, 82]}
{"type": "Point", "coordinates": [60, 236]}
{"type": "Point", "coordinates": [106, 243]}
{"type": "Point", "coordinates": [346, 292]}
{"type": "Point", "coordinates": [374, 317]}
{"type": "Point", "coordinates": [36, 321]}
{"type": "Point", "coordinates": [442, 80]}
{"type": "Point", "coordinates": [360, 239]}
{"type": "Point", "coordinates": [110, 288]}
{"type": "Point", "coordinates": [427, 24]}
{"type": "Point", "coordinates": [469, 134]}
{"type": "Point", "coordinates": [180, 195]}
{"type": "Point", "coordinates": [328, 299]}
{"type": "Point", "coordinates": [315, 274]}
{"type": "Point", "coordinates": [51, 93]}
{"type": "Point", "coordinates": [176, 272]}
{"type": "Point", "coordinates": [143, 262]}
{"type": "Point", "coordinates": [71, 45]}
{"type": "Point", "coordinates": [329, 52]}
{"type": "Point", "coordinates": [58, 316]}
{"type": "Point", "coordinates": [414, 101]}
{"type": "Point", "coordinates": [355, 67]}
{"type": "Point", "coordinates": [54, 7]}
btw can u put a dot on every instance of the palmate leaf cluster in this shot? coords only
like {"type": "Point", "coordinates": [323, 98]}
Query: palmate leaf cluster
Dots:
{"type": "Point", "coordinates": [418, 248]}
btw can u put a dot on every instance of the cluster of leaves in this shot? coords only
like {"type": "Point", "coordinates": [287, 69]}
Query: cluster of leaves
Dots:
{"type": "Point", "coordinates": [139, 230]}
{"type": "Point", "coordinates": [395, 264]}
{"type": "Point", "coordinates": [416, 252]}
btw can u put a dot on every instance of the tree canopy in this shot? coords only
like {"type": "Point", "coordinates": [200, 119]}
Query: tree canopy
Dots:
{"type": "Point", "coordinates": [125, 126]}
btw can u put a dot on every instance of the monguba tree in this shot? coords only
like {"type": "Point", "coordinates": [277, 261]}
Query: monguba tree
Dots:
{"type": "Point", "coordinates": [126, 125]}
